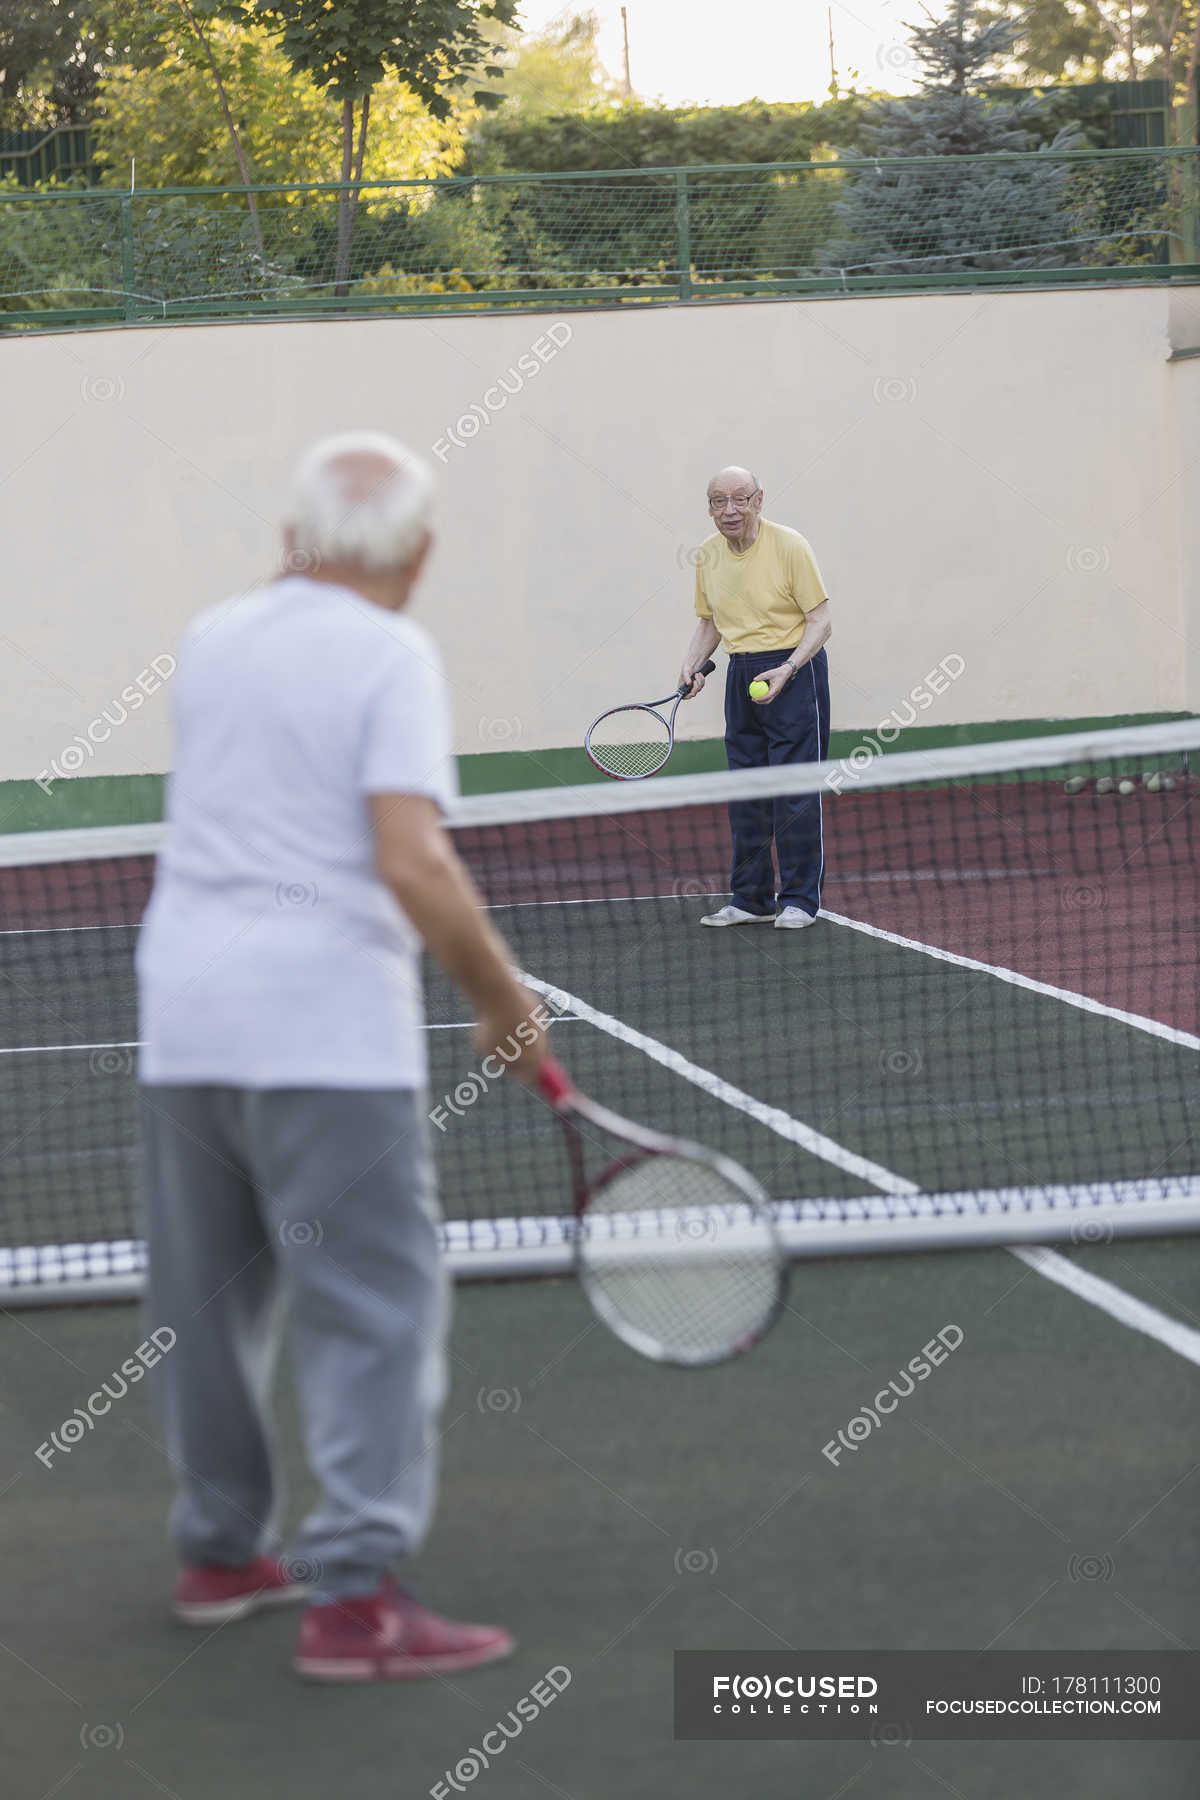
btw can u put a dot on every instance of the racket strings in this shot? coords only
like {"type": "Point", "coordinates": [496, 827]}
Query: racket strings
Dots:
{"type": "Point", "coordinates": [630, 742]}
{"type": "Point", "coordinates": [681, 1258]}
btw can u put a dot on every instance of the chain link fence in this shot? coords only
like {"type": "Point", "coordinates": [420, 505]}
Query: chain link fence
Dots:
{"type": "Point", "coordinates": [88, 255]}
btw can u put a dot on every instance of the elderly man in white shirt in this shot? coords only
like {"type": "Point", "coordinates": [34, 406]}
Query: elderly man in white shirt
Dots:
{"type": "Point", "coordinates": [288, 1169]}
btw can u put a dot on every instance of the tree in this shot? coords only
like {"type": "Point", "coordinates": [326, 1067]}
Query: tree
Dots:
{"type": "Point", "coordinates": [557, 71]}
{"type": "Point", "coordinates": [433, 46]}
{"type": "Point", "coordinates": [1054, 40]}
{"type": "Point", "coordinates": [899, 219]}
{"type": "Point", "coordinates": [47, 63]}
{"type": "Point", "coordinates": [1094, 40]}
{"type": "Point", "coordinates": [169, 119]}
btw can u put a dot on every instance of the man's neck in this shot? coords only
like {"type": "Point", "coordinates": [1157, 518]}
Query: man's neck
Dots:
{"type": "Point", "coordinates": [387, 590]}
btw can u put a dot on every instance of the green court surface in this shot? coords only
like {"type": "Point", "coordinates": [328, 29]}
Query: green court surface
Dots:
{"type": "Point", "coordinates": [1038, 1491]}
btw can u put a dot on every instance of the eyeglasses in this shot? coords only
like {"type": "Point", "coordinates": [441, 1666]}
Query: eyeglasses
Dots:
{"type": "Point", "coordinates": [738, 502]}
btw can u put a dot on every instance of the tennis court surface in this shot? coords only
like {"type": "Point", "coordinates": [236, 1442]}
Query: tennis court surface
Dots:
{"type": "Point", "coordinates": [988, 1040]}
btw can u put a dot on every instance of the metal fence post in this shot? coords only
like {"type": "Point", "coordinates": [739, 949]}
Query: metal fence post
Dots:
{"type": "Point", "coordinates": [683, 235]}
{"type": "Point", "coordinates": [127, 269]}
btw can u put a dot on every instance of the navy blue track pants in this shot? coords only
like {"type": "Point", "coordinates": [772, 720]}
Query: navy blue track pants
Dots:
{"type": "Point", "coordinates": [794, 728]}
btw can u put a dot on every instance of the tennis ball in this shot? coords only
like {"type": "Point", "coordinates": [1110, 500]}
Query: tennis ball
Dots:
{"type": "Point", "coordinates": [759, 690]}
{"type": "Point", "coordinates": [1152, 783]}
{"type": "Point", "coordinates": [1105, 785]}
{"type": "Point", "coordinates": [1125, 786]}
{"type": "Point", "coordinates": [1075, 784]}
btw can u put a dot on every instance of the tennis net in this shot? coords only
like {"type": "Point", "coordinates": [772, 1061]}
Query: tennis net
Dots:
{"type": "Point", "coordinates": [989, 1036]}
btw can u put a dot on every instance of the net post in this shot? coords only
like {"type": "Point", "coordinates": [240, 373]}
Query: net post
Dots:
{"type": "Point", "coordinates": [128, 281]}
{"type": "Point", "coordinates": [683, 235]}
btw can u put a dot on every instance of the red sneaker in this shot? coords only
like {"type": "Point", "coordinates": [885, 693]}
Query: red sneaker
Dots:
{"type": "Point", "coordinates": [387, 1636]}
{"type": "Point", "coordinates": [213, 1594]}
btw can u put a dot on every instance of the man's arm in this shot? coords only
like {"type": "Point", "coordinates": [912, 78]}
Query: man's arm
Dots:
{"type": "Point", "coordinates": [705, 639]}
{"type": "Point", "coordinates": [817, 632]}
{"type": "Point", "coordinates": [416, 859]}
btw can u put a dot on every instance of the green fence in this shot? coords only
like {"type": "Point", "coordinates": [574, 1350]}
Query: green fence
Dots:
{"type": "Point", "coordinates": [30, 156]}
{"type": "Point", "coordinates": [862, 224]}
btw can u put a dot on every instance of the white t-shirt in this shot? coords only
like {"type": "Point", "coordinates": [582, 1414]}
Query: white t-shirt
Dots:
{"type": "Point", "coordinates": [272, 955]}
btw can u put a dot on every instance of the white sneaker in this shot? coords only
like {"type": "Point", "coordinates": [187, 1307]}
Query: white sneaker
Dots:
{"type": "Point", "coordinates": [794, 918]}
{"type": "Point", "coordinates": [736, 915]}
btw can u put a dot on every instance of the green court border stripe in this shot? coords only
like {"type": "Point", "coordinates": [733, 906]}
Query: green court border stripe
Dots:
{"type": "Point", "coordinates": [86, 800]}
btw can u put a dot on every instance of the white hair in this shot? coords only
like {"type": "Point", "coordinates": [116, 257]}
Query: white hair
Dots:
{"type": "Point", "coordinates": [360, 498]}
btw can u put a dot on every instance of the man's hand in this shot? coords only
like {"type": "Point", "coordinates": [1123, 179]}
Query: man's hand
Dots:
{"type": "Point", "coordinates": [509, 1029]}
{"type": "Point", "coordinates": [776, 679]}
{"type": "Point", "coordinates": [692, 680]}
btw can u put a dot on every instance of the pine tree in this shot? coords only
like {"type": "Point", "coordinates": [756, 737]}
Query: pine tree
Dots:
{"type": "Point", "coordinates": [897, 219]}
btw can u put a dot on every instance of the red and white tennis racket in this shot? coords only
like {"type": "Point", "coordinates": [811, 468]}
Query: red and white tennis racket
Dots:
{"type": "Point", "coordinates": [675, 1245]}
{"type": "Point", "coordinates": [631, 742]}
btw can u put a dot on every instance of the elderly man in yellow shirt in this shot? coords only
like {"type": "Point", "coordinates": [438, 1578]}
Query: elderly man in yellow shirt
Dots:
{"type": "Point", "coordinates": [759, 593]}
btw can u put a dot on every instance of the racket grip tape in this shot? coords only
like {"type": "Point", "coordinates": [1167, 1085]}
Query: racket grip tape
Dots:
{"type": "Point", "coordinates": [554, 1084]}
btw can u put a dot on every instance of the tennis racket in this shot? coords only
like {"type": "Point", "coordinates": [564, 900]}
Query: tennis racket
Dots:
{"type": "Point", "coordinates": [631, 742]}
{"type": "Point", "coordinates": [675, 1245]}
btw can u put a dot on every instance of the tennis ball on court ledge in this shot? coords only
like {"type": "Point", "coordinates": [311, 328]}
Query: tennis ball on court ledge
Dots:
{"type": "Point", "coordinates": [759, 690]}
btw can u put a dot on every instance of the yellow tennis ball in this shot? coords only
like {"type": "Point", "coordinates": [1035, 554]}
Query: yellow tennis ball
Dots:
{"type": "Point", "coordinates": [759, 690]}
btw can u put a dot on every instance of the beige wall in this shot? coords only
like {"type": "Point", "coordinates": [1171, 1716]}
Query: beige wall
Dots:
{"type": "Point", "coordinates": [1006, 478]}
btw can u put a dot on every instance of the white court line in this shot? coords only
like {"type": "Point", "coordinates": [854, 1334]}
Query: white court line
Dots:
{"type": "Point", "coordinates": [1113, 1300]}
{"type": "Point", "coordinates": [828, 1149]}
{"type": "Point", "coordinates": [1102, 1294]}
{"type": "Point", "coordinates": [1083, 1001]}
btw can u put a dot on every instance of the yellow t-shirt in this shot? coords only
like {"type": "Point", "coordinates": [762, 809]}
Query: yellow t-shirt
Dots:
{"type": "Point", "coordinates": [758, 600]}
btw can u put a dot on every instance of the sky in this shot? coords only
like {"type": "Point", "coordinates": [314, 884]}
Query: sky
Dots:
{"type": "Point", "coordinates": [721, 52]}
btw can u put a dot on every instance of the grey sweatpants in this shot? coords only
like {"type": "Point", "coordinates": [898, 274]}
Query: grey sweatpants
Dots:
{"type": "Point", "coordinates": [310, 1210]}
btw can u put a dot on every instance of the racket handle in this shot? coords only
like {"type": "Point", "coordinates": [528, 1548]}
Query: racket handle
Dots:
{"type": "Point", "coordinates": [706, 668]}
{"type": "Point", "coordinates": [554, 1084]}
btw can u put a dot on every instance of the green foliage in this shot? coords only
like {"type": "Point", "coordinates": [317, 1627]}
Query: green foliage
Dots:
{"type": "Point", "coordinates": [898, 219]}
{"type": "Point", "coordinates": [1054, 40]}
{"type": "Point", "coordinates": [57, 253]}
{"type": "Point", "coordinates": [633, 136]}
{"type": "Point", "coordinates": [432, 242]}
{"type": "Point", "coordinates": [169, 120]}
{"type": "Point", "coordinates": [348, 46]}
{"type": "Point", "coordinates": [558, 70]}
{"type": "Point", "coordinates": [47, 57]}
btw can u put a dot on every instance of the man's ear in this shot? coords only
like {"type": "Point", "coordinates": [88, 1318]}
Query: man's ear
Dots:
{"type": "Point", "coordinates": [418, 562]}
